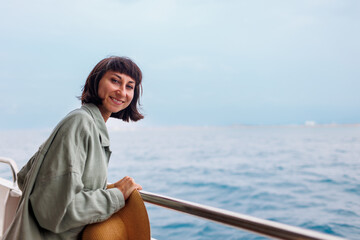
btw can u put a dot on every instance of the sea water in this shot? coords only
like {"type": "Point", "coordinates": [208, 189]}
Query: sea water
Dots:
{"type": "Point", "coordinates": [302, 176]}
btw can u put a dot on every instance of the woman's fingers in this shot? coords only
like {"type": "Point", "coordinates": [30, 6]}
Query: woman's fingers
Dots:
{"type": "Point", "coordinates": [138, 187]}
{"type": "Point", "coordinates": [127, 185]}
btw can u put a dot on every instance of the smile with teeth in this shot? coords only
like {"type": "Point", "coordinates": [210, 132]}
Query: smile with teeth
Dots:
{"type": "Point", "coordinates": [117, 101]}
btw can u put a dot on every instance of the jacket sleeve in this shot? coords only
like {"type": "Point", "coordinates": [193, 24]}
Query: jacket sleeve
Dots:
{"type": "Point", "coordinates": [59, 200]}
{"type": "Point", "coordinates": [23, 173]}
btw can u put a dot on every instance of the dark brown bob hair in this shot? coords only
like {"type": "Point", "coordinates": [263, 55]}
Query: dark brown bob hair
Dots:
{"type": "Point", "coordinates": [122, 65]}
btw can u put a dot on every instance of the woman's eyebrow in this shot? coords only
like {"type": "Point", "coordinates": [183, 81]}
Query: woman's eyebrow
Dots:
{"type": "Point", "coordinates": [121, 78]}
{"type": "Point", "coordinates": [118, 76]}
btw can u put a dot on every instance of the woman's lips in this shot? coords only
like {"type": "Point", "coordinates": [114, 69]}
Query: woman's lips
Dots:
{"type": "Point", "coordinates": [117, 101]}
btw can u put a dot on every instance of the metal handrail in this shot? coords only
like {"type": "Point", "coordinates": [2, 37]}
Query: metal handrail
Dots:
{"type": "Point", "coordinates": [249, 223]}
{"type": "Point", "coordinates": [13, 167]}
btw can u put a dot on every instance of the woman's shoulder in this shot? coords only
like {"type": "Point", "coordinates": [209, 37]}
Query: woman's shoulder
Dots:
{"type": "Point", "coordinates": [77, 120]}
{"type": "Point", "coordinates": [78, 116]}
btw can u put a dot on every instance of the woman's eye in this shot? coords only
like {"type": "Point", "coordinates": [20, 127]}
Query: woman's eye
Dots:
{"type": "Point", "coordinates": [114, 80]}
{"type": "Point", "coordinates": [130, 87]}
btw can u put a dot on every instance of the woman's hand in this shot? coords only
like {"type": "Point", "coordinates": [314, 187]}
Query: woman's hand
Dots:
{"type": "Point", "coordinates": [127, 185]}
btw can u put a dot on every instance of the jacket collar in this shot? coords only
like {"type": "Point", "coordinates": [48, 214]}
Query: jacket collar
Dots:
{"type": "Point", "coordinates": [99, 122]}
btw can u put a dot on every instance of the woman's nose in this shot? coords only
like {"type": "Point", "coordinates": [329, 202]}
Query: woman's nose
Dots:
{"type": "Point", "coordinates": [121, 91]}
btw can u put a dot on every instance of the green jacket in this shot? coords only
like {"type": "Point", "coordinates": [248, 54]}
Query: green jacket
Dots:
{"type": "Point", "coordinates": [64, 183]}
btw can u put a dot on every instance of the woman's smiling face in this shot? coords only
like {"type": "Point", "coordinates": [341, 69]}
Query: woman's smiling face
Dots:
{"type": "Point", "coordinates": [116, 91]}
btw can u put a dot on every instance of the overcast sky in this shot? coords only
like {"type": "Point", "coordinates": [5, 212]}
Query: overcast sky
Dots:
{"type": "Point", "coordinates": [204, 62]}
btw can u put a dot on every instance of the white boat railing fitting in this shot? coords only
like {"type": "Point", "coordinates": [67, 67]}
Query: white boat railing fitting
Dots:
{"type": "Point", "coordinates": [9, 196]}
{"type": "Point", "coordinates": [13, 167]}
{"type": "Point", "coordinates": [256, 225]}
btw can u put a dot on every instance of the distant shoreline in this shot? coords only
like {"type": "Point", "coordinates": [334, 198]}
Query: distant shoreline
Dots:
{"type": "Point", "coordinates": [113, 126]}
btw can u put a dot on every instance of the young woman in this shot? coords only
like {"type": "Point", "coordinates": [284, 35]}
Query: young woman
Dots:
{"type": "Point", "coordinates": [64, 183]}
